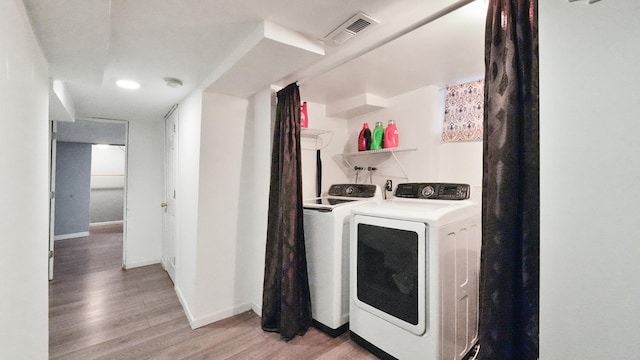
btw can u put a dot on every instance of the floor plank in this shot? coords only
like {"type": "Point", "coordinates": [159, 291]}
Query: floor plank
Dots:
{"type": "Point", "coordinates": [97, 310]}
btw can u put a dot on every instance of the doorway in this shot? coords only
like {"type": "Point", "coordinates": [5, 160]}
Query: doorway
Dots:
{"type": "Point", "coordinates": [171, 153]}
{"type": "Point", "coordinates": [108, 164]}
{"type": "Point", "coordinates": [88, 181]}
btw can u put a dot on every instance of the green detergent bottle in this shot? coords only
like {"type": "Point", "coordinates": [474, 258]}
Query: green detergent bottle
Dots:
{"type": "Point", "coordinates": [377, 137]}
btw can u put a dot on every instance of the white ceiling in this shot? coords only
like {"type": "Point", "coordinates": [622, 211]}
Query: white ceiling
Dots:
{"type": "Point", "coordinates": [91, 43]}
{"type": "Point", "coordinates": [447, 51]}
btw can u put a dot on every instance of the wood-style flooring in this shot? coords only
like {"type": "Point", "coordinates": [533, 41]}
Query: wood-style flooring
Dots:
{"type": "Point", "coordinates": [99, 311]}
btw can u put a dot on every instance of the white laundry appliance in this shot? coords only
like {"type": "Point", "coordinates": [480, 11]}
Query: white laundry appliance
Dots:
{"type": "Point", "coordinates": [414, 278]}
{"type": "Point", "coordinates": [326, 232]}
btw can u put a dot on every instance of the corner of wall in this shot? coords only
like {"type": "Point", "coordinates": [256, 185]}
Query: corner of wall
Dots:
{"type": "Point", "coordinates": [218, 315]}
{"type": "Point", "coordinates": [187, 182]}
{"type": "Point", "coordinates": [144, 193]}
{"type": "Point", "coordinates": [25, 210]}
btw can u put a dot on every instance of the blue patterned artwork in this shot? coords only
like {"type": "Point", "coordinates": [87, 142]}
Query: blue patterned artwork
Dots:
{"type": "Point", "coordinates": [463, 112]}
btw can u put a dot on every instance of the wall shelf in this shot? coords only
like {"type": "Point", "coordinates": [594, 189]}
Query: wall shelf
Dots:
{"type": "Point", "coordinates": [317, 139]}
{"type": "Point", "coordinates": [365, 158]}
{"type": "Point", "coordinates": [381, 151]}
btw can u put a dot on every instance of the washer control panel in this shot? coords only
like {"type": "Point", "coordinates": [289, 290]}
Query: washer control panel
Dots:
{"type": "Point", "coordinates": [353, 190]}
{"type": "Point", "coordinates": [434, 191]}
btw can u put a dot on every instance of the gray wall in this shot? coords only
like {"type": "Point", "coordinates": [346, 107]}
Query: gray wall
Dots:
{"type": "Point", "coordinates": [93, 131]}
{"type": "Point", "coordinates": [73, 178]}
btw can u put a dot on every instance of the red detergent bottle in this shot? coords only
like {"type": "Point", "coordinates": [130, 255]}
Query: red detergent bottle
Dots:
{"type": "Point", "coordinates": [364, 139]}
{"type": "Point", "coordinates": [391, 139]}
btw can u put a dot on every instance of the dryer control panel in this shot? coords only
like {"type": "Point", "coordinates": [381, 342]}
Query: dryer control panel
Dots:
{"type": "Point", "coordinates": [433, 191]}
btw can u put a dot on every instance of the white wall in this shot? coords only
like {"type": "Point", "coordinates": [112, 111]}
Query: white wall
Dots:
{"type": "Point", "coordinates": [589, 167]}
{"type": "Point", "coordinates": [220, 273]}
{"type": "Point", "coordinates": [254, 199]}
{"type": "Point", "coordinates": [107, 183]}
{"type": "Point", "coordinates": [143, 245]}
{"type": "Point", "coordinates": [187, 180]}
{"type": "Point", "coordinates": [419, 115]}
{"type": "Point", "coordinates": [24, 205]}
{"type": "Point", "coordinates": [212, 270]}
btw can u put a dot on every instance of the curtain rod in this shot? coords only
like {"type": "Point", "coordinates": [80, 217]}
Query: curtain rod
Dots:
{"type": "Point", "coordinates": [435, 16]}
{"type": "Point", "coordinates": [173, 108]}
{"type": "Point", "coordinates": [590, 1]}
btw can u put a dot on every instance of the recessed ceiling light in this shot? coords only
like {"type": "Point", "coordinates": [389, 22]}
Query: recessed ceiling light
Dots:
{"type": "Point", "coordinates": [128, 84]}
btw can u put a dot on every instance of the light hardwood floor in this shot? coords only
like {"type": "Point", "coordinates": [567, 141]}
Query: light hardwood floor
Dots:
{"type": "Point", "coordinates": [99, 311]}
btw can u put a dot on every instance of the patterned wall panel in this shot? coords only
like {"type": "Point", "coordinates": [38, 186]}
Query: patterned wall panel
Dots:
{"type": "Point", "coordinates": [463, 112]}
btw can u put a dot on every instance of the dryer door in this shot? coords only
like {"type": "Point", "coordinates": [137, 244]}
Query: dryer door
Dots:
{"type": "Point", "coordinates": [389, 269]}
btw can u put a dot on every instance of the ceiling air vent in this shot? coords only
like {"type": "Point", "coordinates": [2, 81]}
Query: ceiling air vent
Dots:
{"type": "Point", "coordinates": [356, 24]}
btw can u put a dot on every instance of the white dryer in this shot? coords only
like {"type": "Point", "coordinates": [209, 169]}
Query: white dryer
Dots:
{"type": "Point", "coordinates": [414, 278]}
{"type": "Point", "coordinates": [326, 232]}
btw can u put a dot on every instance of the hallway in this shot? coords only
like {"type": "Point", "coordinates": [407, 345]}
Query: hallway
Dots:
{"type": "Point", "coordinates": [97, 309]}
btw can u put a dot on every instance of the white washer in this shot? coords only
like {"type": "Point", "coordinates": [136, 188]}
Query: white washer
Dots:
{"type": "Point", "coordinates": [414, 278]}
{"type": "Point", "coordinates": [326, 232]}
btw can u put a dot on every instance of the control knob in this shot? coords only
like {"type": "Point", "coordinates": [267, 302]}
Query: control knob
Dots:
{"type": "Point", "coordinates": [427, 191]}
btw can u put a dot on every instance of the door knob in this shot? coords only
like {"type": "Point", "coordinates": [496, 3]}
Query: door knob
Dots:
{"type": "Point", "coordinates": [164, 204]}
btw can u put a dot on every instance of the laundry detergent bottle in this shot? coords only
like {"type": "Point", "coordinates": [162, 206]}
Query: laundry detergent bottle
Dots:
{"type": "Point", "coordinates": [304, 117]}
{"type": "Point", "coordinates": [377, 137]}
{"type": "Point", "coordinates": [364, 139]}
{"type": "Point", "coordinates": [391, 135]}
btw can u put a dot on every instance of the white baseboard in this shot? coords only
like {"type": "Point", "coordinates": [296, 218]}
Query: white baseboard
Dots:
{"type": "Point", "coordinates": [211, 318]}
{"type": "Point", "coordinates": [107, 223]}
{"type": "Point", "coordinates": [71, 236]}
{"type": "Point", "coordinates": [256, 309]}
{"type": "Point", "coordinates": [185, 305]}
{"type": "Point", "coordinates": [135, 264]}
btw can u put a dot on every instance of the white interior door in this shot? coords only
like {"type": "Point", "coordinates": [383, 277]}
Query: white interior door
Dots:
{"type": "Point", "coordinates": [171, 142]}
{"type": "Point", "coordinates": [52, 191]}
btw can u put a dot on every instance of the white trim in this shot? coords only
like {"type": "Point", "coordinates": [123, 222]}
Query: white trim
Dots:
{"type": "Point", "coordinates": [125, 200]}
{"type": "Point", "coordinates": [53, 145]}
{"type": "Point", "coordinates": [211, 318]}
{"type": "Point", "coordinates": [106, 223]}
{"type": "Point", "coordinates": [131, 265]}
{"type": "Point", "coordinates": [71, 236]}
{"type": "Point", "coordinates": [185, 306]}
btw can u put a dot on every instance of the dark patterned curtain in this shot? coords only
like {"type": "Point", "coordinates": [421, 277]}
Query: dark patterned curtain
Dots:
{"type": "Point", "coordinates": [286, 304]}
{"type": "Point", "coordinates": [509, 280]}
